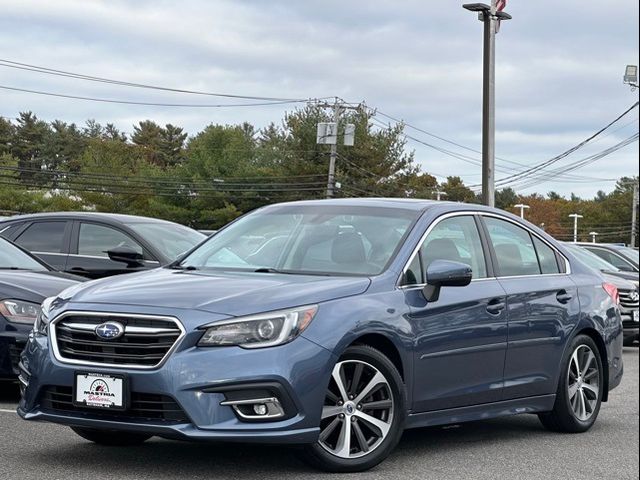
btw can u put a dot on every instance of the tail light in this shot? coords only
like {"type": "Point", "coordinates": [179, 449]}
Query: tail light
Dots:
{"type": "Point", "coordinates": [612, 290]}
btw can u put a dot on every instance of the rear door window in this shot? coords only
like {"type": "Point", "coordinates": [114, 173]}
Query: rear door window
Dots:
{"type": "Point", "coordinates": [95, 240]}
{"type": "Point", "coordinates": [47, 237]}
{"type": "Point", "coordinates": [546, 257]}
{"type": "Point", "coordinates": [513, 247]}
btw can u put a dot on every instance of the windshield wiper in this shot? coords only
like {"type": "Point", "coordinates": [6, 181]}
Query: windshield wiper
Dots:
{"type": "Point", "coordinates": [271, 270]}
{"type": "Point", "coordinates": [181, 267]}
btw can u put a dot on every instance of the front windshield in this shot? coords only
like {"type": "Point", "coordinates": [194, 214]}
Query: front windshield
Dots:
{"type": "Point", "coordinates": [591, 259]}
{"type": "Point", "coordinates": [170, 238]}
{"type": "Point", "coordinates": [11, 257]}
{"type": "Point", "coordinates": [340, 240]}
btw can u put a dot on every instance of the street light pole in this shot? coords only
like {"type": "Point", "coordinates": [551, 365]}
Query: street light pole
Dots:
{"type": "Point", "coordinates": [593, 236]}
{"type": "Point", "coordinates": [575, 217]}
{"type": "Point", "coordinates": [522, 207]}
{"type": "Point", "coordinates": [489, 15]}
{"type": "Point", "coordinates": [439, 194]}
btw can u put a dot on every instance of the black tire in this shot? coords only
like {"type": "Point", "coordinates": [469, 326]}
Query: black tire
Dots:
{"type": "Point", "coordinates": [563, 418]}
{"type": "Point", "coordinates": [318, 456]}
{"type": "Point", "coordinates": [112, 438]}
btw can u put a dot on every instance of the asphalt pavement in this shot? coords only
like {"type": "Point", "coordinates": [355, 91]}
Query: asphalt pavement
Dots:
{"type": "Point", "coordinates": [508, 448]}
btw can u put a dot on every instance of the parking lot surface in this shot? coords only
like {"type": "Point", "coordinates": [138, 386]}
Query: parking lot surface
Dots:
{"type": "Point", "coordinates": [508, 448]}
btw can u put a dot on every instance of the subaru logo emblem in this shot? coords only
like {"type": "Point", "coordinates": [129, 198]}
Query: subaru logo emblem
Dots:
{"type": "Point", "coordinates": [109, 330]}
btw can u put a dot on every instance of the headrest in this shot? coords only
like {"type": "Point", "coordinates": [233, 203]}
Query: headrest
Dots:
{"type": "Point", "coordinates": [348, 247]}
{"type": "Point", "coordinates": [440, 249]}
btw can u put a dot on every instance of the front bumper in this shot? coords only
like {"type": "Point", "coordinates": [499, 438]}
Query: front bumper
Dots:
{"type": "Point", "coordinates": [12, 342]}
{"type": "Point", "coordinates": [196, 380]}
{"type": "Point", "coordinates": [630, 326]}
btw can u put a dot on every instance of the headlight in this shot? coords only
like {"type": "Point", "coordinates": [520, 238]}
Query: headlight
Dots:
{"type": "Point", "coordinates": [257, 331]}
{"type": "Point", "coordinates": [42, 322]}
{"type": "Point", "coordinates": [19, 311]}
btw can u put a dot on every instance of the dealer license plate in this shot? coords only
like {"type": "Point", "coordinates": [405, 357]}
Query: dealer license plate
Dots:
{"type": "Point", "coordinates": [99, 390]}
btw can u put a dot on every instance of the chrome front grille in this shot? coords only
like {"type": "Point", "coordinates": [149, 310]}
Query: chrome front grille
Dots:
{"type": "Point", "coordinates": [629, 299]}
{"type": "Point", "coordinates": [146, 342]}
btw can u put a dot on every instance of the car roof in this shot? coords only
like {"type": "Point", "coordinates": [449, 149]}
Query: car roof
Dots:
{"type": "Point", "coordinates": [114, 218]}
{"type": "Point", "coordinates": [399, 203]}
{"type": "Point", "coordinates": [612, 246]}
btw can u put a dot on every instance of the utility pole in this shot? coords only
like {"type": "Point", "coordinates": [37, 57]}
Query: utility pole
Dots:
{"type": "Point", "coordinates": [439, 193]}
{"type": "Point", "coordinates": [331, 181]}
{"type": "Point", "coordinates": [522, 207]}
{"type": "Point", "coordinates": [328, 133]}
{"type": "Point", "coordinates": [593, 236]}
{"type": "Point", "coordinates": [490, 15]}
{"type": "Point", "coordinates": [634, 215]}
{"type": "Point", "coordinates": [575, 217]}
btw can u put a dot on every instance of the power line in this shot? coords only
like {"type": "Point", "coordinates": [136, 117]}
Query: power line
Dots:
{"type": "Point", "coordinates": [475, 160]}
{"type": "Point", "coordinates": [510, 179]}
{"type": "Point", "coordinates": [63, 73]}
{"type": "Point", "coordinates": [139, 182]}
{"type": "Point", "coordinates": [578, 164]}
{"type": "Point", "coordinates": [152, 104]}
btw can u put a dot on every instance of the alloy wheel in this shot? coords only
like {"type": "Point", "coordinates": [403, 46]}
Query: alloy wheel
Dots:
{"type": "Point", "coordinates": [358, 410]}
{"type": "Point", "coordinates": [583, 382]}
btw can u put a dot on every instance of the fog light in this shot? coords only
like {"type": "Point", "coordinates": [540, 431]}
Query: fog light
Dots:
{"type": "Point", "coordinates": [260, 409]}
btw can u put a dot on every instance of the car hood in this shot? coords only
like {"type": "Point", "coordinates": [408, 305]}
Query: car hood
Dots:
{"type": "Point", "coordinates": [630, 276]}
{"type": "Point", "coordinates": [33, 286]}
{"type": "Point", "coordinates": [223, 293]}
{"type": "Point", "coordinates": [619, 282]}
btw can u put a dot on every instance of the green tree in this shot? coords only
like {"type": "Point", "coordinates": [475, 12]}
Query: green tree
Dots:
{"type": "Point", "coordinates": [506, 198]}
{"type": "Point", "coordinates": [148, 135]}
{"type": "Point", "coordinates": [7, 131]}
{"type": "Point", "coordinates": [111, 132]}
{"type": "Point", "coordinates": [457, 191]}
{"type": "Point", "coordinates": [31, 135]}
{"type": "Point", "coordinates": [171, 145]}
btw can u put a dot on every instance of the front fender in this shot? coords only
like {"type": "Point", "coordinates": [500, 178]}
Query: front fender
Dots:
{"type": "Point", "coordinates": [341, 323]}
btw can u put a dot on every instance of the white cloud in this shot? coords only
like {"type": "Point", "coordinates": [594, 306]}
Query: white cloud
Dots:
{"type": "Point", "coordinates": [558, 73]}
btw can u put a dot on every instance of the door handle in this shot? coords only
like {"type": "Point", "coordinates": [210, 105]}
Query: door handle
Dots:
{"type": "Point", "coordinates": [496, 306]}
{"type": "Point", "coordinates": [563, 296]}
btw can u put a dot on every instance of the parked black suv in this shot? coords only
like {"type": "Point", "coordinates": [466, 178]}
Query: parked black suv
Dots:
{"type": "Point", "coordinates": [97, 245]}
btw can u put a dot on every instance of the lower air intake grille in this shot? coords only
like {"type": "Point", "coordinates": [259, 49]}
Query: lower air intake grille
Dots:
{"type": "Point", "coordinates": [143, 406]}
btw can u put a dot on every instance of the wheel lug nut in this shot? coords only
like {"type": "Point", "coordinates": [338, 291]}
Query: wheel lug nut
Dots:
{"type": "Point", "coordinates": [341, 415]}
{"type": "Point", "coordinates": [353, 419]}
{"type": "Point", "coordinates": [340, 402]}
{"type": "Point", "coordinates": [359, 407]}
{"type": "Point", "coordinates": [350, 397]}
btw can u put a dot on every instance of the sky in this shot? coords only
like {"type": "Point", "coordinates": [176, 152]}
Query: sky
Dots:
{"type": "Point", "coordinates": [559, 68]}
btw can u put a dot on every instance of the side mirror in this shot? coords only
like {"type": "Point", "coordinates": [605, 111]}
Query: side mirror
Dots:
{"type": "Point", "coordinates": [444, 273]}
{"type": "Point", "coordinates": [127, 255]}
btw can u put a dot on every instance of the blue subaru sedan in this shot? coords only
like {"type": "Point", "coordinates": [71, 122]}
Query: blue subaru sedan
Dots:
{"type": "Point", "coordinates": [332, 325]}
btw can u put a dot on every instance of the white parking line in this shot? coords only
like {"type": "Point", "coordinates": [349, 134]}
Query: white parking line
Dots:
{"type": "Point", "coordinates": [4, 410]}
